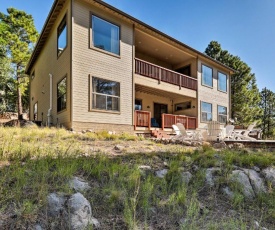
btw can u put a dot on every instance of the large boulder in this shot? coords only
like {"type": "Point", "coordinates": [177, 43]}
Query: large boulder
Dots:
{"type": "Point", "coordinates": [78, 184]}
{"type": "Point", "coordinates": [211, 176]}
{"type": "Point", "coordinates": [79, 211]}
{"type": "Point", "coordinates": [269, 175]}
{"type": "Point", "coordinates": [161, 173]}
{"type": "Point", "coordinates": [55, 204]}
{"type": "Point", "coordinates": [243, 182]}
{"type": "Point", "coordinates": [186, 177]}
{"type": "Point", "coordinates": [256, 181]}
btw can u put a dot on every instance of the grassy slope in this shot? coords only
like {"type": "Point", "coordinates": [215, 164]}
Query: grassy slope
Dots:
{"type": "Point", "coordinates": [34, 163]}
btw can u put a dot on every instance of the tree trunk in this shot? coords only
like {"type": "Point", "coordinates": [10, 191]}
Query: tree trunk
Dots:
{"type": "Point", "coordinates": [19, 100]}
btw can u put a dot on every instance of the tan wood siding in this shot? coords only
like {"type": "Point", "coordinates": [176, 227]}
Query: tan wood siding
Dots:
{"type": "Point", "coordinates": [212, 95]}
{"type": "Point", "coordinates": [91, 62]}
{"type": "Point", "coordinates": [48, 63]}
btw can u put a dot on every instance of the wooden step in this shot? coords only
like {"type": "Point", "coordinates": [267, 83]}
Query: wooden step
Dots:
{"type": "Point", "coordinates": [159, 134]}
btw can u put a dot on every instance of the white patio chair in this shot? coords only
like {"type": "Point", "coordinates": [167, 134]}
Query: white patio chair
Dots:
{"type": "Point", "coordinates": [214, 131]}
{"type": "Point", "coordinates": [244, 135]}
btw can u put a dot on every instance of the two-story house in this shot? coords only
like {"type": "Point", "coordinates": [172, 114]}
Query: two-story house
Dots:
{"type": "Point", "coordinates": [96, 67]}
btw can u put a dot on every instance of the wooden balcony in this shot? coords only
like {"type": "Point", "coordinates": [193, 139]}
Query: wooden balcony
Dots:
{"type": "Point", "coordinates": [143, 119]}
{"type": "Point", "coordinates": [162, 74]}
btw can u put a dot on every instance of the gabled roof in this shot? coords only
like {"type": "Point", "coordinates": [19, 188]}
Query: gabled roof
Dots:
{"type": "Point", "coordinates": [55, 10]}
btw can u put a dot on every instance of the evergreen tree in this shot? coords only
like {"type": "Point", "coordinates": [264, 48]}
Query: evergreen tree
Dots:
{"type": "Point", "coordinates": [20, 35]}
{"type": "Point", "coordinates": [267, 103]}
{"type": "Point", "coordinates": [245, 96]}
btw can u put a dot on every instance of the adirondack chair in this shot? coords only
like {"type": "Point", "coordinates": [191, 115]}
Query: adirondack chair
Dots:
{"type": "Point", "coordinates": [244, 134]}
{"type": "Point", "coordinates": [181, 133]}
{"type": "Point", "coordinates": [195, 135]}
{"type": "Point", "coordinates": [229, 132]}
{"type": "Point", "coordinates": [214, 131]}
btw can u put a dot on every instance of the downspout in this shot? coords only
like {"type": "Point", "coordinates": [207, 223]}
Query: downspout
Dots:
{"type": "Point", "coordinates": [51, 101]}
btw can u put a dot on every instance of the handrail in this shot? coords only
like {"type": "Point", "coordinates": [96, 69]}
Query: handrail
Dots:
{"type": "Point", "coordinates": [142, 119]}
{"type": "Point", "coordinates": [163, 74]}
{"type": "Point", "coordinates": [169, 119]}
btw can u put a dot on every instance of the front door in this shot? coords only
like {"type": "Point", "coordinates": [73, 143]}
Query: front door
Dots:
{"type": "Point", "coordinates": [158, 110]}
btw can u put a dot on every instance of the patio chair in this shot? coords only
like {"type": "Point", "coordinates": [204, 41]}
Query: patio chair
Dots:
{"type": "Point", "coordinates": [244, 135]}
{"type": "Point", "coordinates": [214, 131]}
{"type": "Point", "coordinates": [181, 133]}
{"type": "Point", "coordinates": [229, 133]}
{"type": "Point", "coordinates": [196, 135]}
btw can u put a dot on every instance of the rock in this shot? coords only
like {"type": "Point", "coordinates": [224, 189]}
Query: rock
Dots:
{"type": "Point", "coordinates": [144, 167]}
{"type": "Point", "coordinates": [79, 211]}
{"type": "Point", "coordinates": [38, 227]}
{"type": "Point", "coordinates": [118, 148]}
{"type": "Point", "coordinates": [210, 176]}
{"type": "Point", "coordinates": [228, 193]}
{"type": "Point", "coordinates": [161, 173]}
{"type": "Point", "coordinates": [256, 225]}
{"type": "Point", "coordinates": [238, 146]}
{"type": "Point", "coordinates": [242, 179]}
{"type": "Point", "coordinates": [187, 143]}
{"type": "Point", "coordinates": [206, 143]}
{"type": "Point", "coordinates": [257, 169]}
{"type": "Point", "coordinates": [186, 177]}
{"type": "Point", "coordinates": [55, 204]}
{"type": "Point", "coordinates": [220, 145]}
{"type": "Point", "coordinates": [78, 184]}
{"type": "Point", "coordinates": [95, 223]}
{"type": "Point", "coordinates": [269, 175]}
{"type": "Point", "coordinates": [256, 181]}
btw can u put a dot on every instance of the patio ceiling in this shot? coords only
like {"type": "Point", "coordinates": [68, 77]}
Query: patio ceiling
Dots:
{"type": "Point", "coordinates": [157, 92]}
{"type": "Point", "coordinates": [154, 47]}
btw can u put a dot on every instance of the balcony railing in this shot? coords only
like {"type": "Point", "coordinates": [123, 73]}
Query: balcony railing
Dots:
{"type": "Point", "coordinates": [169, 119]}
{"type": "Point", "coordinates": [162, 74]}
{"type": "Point", "coordinates": [143, 119]}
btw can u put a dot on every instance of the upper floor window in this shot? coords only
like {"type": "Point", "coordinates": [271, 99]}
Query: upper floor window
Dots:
{"type": "Point", "coordinates": [222, 82]}
{"type": "Point", "coordinates": [207, 76]}
{"type": "Point", "coordinates": [105, 94]}
{"type": "Point", "coordinates": [105, 35]}
{"type": "Point", "coordinates": [62, 36]}
{"type": "Point", "coordinates": [222, 114]}
{"type": "Point", "coordinates": [206, 111]}
{"type": "Point", "coordinates": [62, 94]}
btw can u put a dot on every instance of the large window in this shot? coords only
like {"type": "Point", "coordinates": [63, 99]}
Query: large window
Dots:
{"type": "Point", "coordinates": [105, 35]}
{"type": "Point", "coordinates": [105, 94]}
{"type": "Point", "coordinates": [206, 111]}
{"type": "Point", "coordinates": [207, 76]}
{"type": "Point", "coordinates": [222, 82]}
{"type": "Point", "coordinates": [62, 36]}
{"type": "Point", "coordinates": [222, 114]}
{"type": "Point", "coordinates": [62, 95]}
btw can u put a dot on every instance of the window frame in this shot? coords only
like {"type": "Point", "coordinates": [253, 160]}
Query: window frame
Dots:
{"type": "Point", "coordinates": [184, 102]}
{"type": "Point", "coordinates": [226, 78]}
{"type": "Point", "coordinates": [140, 100]}
{"type": "Point", "coordinates": [92, 93]}
{"type": "Point", "coordinates": [218, 114]}
{"type": "Point", "coordinates": [203, 121]}
{"type": "Point", "coordinates": [202, 81]}
{"type": "Point", "coordinates": [57, 97]}
{"type": "Point", "coordinates": [59, 32]}
{"type": "Point", "coordinates": [91, 36]}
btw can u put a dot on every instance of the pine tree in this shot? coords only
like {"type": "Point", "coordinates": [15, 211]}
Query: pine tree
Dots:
{"type": "Point", "coordinates": [267, 103]}
{"type": "Point", "coordinates": [20, 35]}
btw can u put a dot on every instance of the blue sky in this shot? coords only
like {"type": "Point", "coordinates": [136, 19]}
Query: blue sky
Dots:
{"type": "Point", "coordinates": [245, 28]}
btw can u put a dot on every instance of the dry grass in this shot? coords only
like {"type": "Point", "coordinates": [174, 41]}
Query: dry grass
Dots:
{"type": "Point", "coordinates": [35, 162]}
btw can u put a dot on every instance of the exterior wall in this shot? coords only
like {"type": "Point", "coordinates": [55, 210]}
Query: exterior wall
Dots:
{"type": "Point", "coordinates": [212, 95]}
{"type": "Point", "coordinates": [88, 62]}
{"type": "Point", "coordinates": [153, 60]}
{"type": "Point", "coordinates": [48, 63]}
{"type": "Point", "coordinates": [148, 101]}
{"type": "Point", "coordinates": [193, 63]}
{"type": "Point", "coordinates": [95, 127]}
